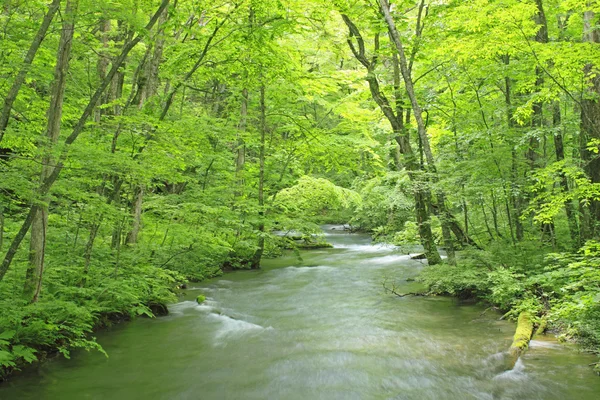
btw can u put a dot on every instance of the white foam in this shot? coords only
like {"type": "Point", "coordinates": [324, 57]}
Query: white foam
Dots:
{"type": "Point", "coordinates": [515, 374]}
{"type": "Point", "coordinates": [364, 248]}
{"type": "Point", "coordinates": [179, 308]}
{"type": "Point", "coordinates": [306, 269]}
{"type": "Point", "coordinates": [392, 258]}
{"type": "Point", "coordinates": [234, 327]}
{"type": "Point", "coordinates": [543, 344]}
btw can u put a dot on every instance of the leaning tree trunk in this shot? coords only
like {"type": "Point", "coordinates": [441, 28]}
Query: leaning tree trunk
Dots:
{"type": "Point", "coordinates": [37, 244]}
{"type": "Point", "coordinates": [33, 48]}
{"type": "Point", "coordinates": [418, 114]}
{"type": "Point", "coordinates": [395, 118]}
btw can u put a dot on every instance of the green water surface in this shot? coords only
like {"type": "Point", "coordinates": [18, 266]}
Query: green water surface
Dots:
{"type": "Point", "coordinates": [320, 328]}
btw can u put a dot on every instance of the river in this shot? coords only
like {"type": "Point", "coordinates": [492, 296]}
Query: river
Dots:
{"type": "Point", "coordinates": [317, 328]}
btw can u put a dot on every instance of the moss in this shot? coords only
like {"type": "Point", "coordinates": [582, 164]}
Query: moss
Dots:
{"type": "Point", "coordinates": [522, 334]}
{"type": "Point", "coordinates": [200, 299]}
{"type": "Point", "coordinates": [542, 327]}
{"type": "Point", "coordinates": [318, 245]}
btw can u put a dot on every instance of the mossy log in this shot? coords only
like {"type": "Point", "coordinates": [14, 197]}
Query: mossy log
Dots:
{"type": "Point", "coordinates": [521, 339]}
{"type": "Point", "coordinates": [317, 245]}
{"type": "Point", "coordinates": [542, 327]}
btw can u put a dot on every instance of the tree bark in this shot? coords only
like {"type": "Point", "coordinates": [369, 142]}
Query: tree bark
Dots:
{"type": "Point", "coordinates": [261, 182]}
{"type": "Point", "coordinates": [37, 245]}
{"type": "Point", "coordinates": [590, 120]}
{"type": "Point", "coordinates": [395, 118]}
{"type": "Point", "coordinates": [240, 161]}
{"type": "Point", "coordinates": [29, 57]}
{"type": "Point", "coordinates": [132, 236]}
{"type": "Point", "coordinates": [1, 226]}
{"type": "Point", "coordinates": [515, 195]}
{"type": "Point", "coordinates": [418, 114]}
{"type": "Point", "coordinates": [559, 149]}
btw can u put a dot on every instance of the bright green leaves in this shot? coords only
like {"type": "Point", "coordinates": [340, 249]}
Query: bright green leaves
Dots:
{"type": "Point", "coordinates": [549, 199]}
{"type": "Point", "coordinates": [314, 196]}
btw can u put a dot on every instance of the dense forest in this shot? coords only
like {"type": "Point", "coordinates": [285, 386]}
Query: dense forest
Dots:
{"type": "Point", "coordinates": [147, 143]}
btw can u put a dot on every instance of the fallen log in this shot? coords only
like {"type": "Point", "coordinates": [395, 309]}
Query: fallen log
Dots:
{"type": "Point", "coordinates": [521, 338]}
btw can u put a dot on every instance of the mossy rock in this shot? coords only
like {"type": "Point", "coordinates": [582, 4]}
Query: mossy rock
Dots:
{"type": "Point", "coordinates": [200, 299]}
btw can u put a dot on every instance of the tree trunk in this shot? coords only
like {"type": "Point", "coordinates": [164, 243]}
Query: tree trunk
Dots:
{"type": "Point", "coordinates": [418, 114]}
{"type": "Point", "coordinates": [559, 149]}
{"type": "Point", "coordinates": [149, 76]}
{"type": "Point", "coordinates": [87, 254]}
{"type": "Point", "coordinates": [590, 120]}
{"type": "Point", "coordinates": [395, 118]}
{"type": "Point", "coordinates": [103, 62]}
{"type": "Point", "coordinates": [1, 226]}
{"type": "Point", "coordinates": [424, 225]}
{"type": "Point", "coordinates": [132, 236]}
{"type": "Point", "coordinates": [521, 338]}
{"type": "Point", "coordinates": [261, 182]}
{"type": "Point", "coordinates": [515, 194]}
{"type": "Point", "coordinates": [240, 161]}
{"type": "Point", "coordinates": [35, 269]}
{"type": "Point", "coordinates": [33, 48]}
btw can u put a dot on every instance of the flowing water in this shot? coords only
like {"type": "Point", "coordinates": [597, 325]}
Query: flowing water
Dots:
{"type": "Point", "coordinates": [317, 328]}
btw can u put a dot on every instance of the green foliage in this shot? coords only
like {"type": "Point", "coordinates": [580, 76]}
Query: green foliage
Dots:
{"type": "Point", "coordinates": [312, 198]}
{"type": "Point", "coordinates": [384, 206]}
{"type": "Point", "coordinates": [563, 292]}
{"type": "Point", "coordinates": [162, 185]}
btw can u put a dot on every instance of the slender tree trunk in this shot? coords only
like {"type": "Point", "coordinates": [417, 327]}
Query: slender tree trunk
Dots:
{"type": "Point", "coordinates": [261, 182]}
{"type": "Point", "coordinates": [396, 121]}
{"type": "Point", "coordinates": [424, 226]}
{"type": "Point", "coordinates": [240, 161]}
{"type": "Point", "coordinates": [448, 242]}
{"type": "Point", "coordinates": [37, 244]}
{"type": "Point", "coordinates": [590, 122]}
{"type": "Point", "coordinates": [541, 36]}
{"type": "Point", "coordinates": [559, 149]}
{"type": "Point", "coordinates": [103, 62]}
{"type": "Point", "coordinates": [20, 78]}
{"type": "Point", "coordinates": [1, 226]}
{"type": "Point", "coordinates": [87, 254]}
{"type": "Point", "coordinates": [495, 214]}
{"type": "Point", "coordinates": [418, 114]}
{"type": "Point", "coordinates": [132, 236]}
{"type": "Point", "coordinates": [515, 191]}
{"type": "Point", "coordinates": [537, 118]}
{"type": "Point", "coordinates": [485, 219]}
{"type": "Point", "coordinates": [401, 136]}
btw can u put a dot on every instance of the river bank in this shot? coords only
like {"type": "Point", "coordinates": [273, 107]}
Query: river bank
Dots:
{"type": "Point", "coordinates": [320, 327]}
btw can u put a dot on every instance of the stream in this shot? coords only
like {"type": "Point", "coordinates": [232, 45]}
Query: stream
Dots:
{"type": "Point", "coordinates": [317, 328]}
